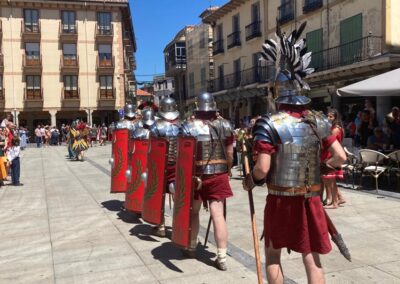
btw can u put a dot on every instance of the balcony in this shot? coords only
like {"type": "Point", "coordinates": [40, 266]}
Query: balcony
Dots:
{"type": "Point", "coordinates": [2, 96]}
{"type": "Point", "coordinates": [105, 66]}
{"type": "Point", "coordinates": [70, 98]}
{"type": "Point", "coordinates": [127, 37]}
{"type": "Point", "coordinates": [346, 54]}
{"type": "Point", "coordinates": [311, 5]}
{"type": "Point", "coordinates": [286, 12]}
{"type": "Point", "coordinates": [260, 74]}
{"type": "Point", "coordinates": [218, 47]}
{"type": "Point", "coordinates": [104, 34]}
{"type": "Point", "coordinates": [69, 64]}
{"type": "Point", "coordinates": [68, 33]}
{"type": "Point", "coordinates": [1, 29]}
{"type": "Point", "coordinates": [32, 64]}
{"type": "Point", "coordinates": [30, 32]}
{"type": "Point", "coordinates": [253, 30]}
{"type": "Point", "coordinates": [106, 98]}
{"type": "Point", "coordinates": [234, 39]}
{"type": "Point", "coordinates": [33, 98]}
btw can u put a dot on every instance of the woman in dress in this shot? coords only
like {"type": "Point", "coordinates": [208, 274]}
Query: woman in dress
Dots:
{"type": "Point", "coordinates": [329, 175]}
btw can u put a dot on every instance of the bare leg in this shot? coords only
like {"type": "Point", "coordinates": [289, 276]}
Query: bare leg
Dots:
{"type": "Point", "coordinates": [334, 196]}
{"type": "Point", "coordinates": [315, 273]}
{"type": "Point", "coordinates": [195, 219]}
{"type": "Point", "coordinates": [328, 188]}
{"type": "Point", "coordinates": [219, 223]}
{"type": "Point", "coordinates": [273, 265]}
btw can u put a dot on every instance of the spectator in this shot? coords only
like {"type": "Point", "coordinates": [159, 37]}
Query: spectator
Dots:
{"type": "Point", "coordinates": [23, 137]}
{"type": "Point", "coordinates": [371, 109]}
{"type": "Point", "coordinates": [392, 120]}
{"type": "Point", "coordinates": [377, 141]}
{"type": "Point", "coordinates": [47, 135]}
{"type": "Point", "coordinates": [365, 129]}
{"type": "Point", "coordinates": [55, 136]}
{"type": "Point", "coordinates": [43, 133]}
{"type": "Point", "coordinates": [7, 120]}
{"type": "Point", "coordinates": [13, 156]}
{"type": "Point", "coordinates": [3, 158]}
{"type": "Point", "coordinates": [103, 134]}
{"type": "Point", "coordinates": [38, 136]}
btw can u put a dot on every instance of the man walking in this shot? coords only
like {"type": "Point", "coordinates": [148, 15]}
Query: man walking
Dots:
{"type": "Point", "coordinates": [38, 136]}
{"type": "Point", "coordinates": [289, 143]}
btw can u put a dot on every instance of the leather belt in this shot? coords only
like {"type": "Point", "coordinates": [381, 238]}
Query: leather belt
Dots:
{"type": "Point", "coordinates": [313, 190]}
{"type": "Point", "coordinates": [210, 162]}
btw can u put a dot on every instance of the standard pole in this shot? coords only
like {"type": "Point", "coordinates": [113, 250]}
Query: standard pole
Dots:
{"type": "Point", "coordinates": [253, 219]}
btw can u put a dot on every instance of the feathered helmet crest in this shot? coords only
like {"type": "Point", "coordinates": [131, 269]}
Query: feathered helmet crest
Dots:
{"type": "Point", "coordinates": [291, 59]}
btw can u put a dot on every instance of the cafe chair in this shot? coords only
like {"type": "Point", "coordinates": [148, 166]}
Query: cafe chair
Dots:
{"type": "Point", "coordinates": [372, 164]}
{"type": "Point", "coordinates": [395, 162]}
{"type": "Point", "coordinates": [351, 165]}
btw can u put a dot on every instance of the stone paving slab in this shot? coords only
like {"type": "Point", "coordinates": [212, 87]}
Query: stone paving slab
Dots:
{"type": "Point", "coordinates": [63, 226]}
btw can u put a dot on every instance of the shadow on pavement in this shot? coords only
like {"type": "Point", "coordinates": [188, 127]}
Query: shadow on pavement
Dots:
{"type": "Point", "coordinates": [168, 251]}
{"type": "Point", "coordinates": [143, 232]}
{"type": "Point", "coordinates": [113, 205]}
{"type": "Point", "coordinates": [129, 217]}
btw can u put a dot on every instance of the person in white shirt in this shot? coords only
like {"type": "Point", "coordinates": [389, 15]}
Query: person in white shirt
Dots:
{"type": "Point", "coordinates": [13, 156]}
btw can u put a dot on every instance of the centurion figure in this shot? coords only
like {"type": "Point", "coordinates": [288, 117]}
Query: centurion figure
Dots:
{"type": "Point", "coordinates": [288, 144]}
{"type": "Point", "coordinates": [161, 164]}
{"type": "Point", "coordinates": [212, 164]}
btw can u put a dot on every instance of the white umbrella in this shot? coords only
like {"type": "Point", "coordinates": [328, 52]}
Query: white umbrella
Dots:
{"type": "Point", "coordinates": [386, 84]}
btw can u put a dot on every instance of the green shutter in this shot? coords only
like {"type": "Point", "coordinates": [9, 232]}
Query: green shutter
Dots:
{"type": "Point", "coordinates": [351, 39]}
{"type": "Point", "coordinates": [314, 44]}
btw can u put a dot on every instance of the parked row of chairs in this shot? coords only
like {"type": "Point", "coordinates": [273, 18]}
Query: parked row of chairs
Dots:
{"type": "Point", "coordinates": [373, 163]}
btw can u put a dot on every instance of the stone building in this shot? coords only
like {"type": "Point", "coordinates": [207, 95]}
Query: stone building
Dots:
{"type": "Point", "coordinates": [63, 60]}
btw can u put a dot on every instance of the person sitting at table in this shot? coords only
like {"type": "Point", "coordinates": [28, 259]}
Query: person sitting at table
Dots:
{"type": "Point", "coordinates": [377, 141]}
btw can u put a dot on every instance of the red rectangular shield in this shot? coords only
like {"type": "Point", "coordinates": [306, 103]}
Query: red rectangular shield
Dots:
{"type": "Point", "coordinates": [137, 165]}
{"type": "Point", "coordinates": [184, 185]}
{"type": "Point", "coordinates": [154, 193]}
{"type": "Point", "coordinates": [119, 161]}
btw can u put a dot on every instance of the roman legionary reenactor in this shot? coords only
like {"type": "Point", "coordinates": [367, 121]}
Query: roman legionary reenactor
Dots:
{"type": "Point", "coordinates": [213, 161]}
{"type": "Point", "coordinates": [138, 149]}
{"type": "Point", "coordinates": [289, 144]}
{"type": "Point", "coordinates": [120, 141]}
{"type": "Point", "coordinates": [161, 164]}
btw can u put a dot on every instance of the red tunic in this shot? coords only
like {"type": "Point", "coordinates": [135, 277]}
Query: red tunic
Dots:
{"type": "Point", "coordinates": [295, 222]}
{"type": "Point", "coordinates": [325, 155]}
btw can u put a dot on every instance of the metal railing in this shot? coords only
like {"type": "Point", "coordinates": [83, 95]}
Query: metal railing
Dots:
{"type": "Point", "coordinates": [355, 51]}
{"type": "Point", "coordinates": [311, 5]}
{"type": "Point", "coordinates": [106, 94]}
{"type": "Point", "coordinates": [33, 94]}
{"type": "Point", "coordinates": [105, 62]}
{"type": "Point", "coordinates": [69, 61]}
{"type": "Point", "coordinates": [68, 29]}
{"type": "Point", "coordinates": [234, 39]}
{"type": "Point", "coordinates": [70, 94]}
{"type": "Point", "coordinates": [218, 46]}
{"type": "Point", "coordinates": [253, 30]}
{"type": "Point", "coordinates": [286, 11]}
{"type": "Point", "coordinates": [104, 30]}
{"type": "Point", "coordinates": [31, 28]}
{"type": "Point", "coordinates": [259, 74]}
{"type": "Point", "coordinates": [32, 60]}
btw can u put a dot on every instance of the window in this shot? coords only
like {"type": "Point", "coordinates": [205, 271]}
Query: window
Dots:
{"type": "Point", "coordinates": [105, 52]}
{"type": "Point", "coordinates": [106, 87]}
{"type": "Point", "coordinates": [236, 71]}
{"type": "Point", "coordinates": [31, 20]}
{"type": "Point", "coordinates": [220, 34]}
{"type": "Point", "coordinates": [32, 50]}
{"type": "Point", "coordinates": [255, 12]}
{"type": "Point", "coordinates": [351, 39]}
{"type": "Point", "coordinates": [180, 53]}
{"type": "Point", "coordinates": [104, 23]}
{"type": "Point", "coordinates": [1, 88]}
{"type": "Point", "coordinates": [33, 87]}
{"type": "Point", "coordinates": [256, 66]}
{"type": "Point", "coordinates": [70, 86]}
{"type": "Point", "coordinates": [220, 77]}
{"type": "Point", "coordinates": [190, 48]}
{"type": "Point", "coordinates": [69, 51]}
{"type": "Point", "coordinates": [68, 22]}
{"type": "Point", "coordinates": [191, 81]}
{"type": "Point", "coordinates": [202, 43]}
{"type": "Point", "coordinates": [203, 78]}
{"type": "Point", "coordinates": [235, 23]}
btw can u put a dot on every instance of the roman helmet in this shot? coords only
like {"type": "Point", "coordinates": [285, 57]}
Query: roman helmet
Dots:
{"type": "Point", "coordinates": [129, 111]}
{"type": "Point", "coordinates": [291, 59]}
{"type": "Point", "coordinates": [168, 109]}
{"type": "Point", "coordinates": [206, 102]}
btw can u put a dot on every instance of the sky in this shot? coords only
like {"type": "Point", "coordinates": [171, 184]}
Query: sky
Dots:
{"type": "Point", "coordinates": [156, 23]}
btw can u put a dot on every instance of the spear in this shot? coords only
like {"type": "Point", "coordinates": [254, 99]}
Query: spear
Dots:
{"type": "Point", "coordinates": [253, 217]}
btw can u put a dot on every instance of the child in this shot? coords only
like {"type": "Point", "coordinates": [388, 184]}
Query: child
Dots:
{"type": "Point", "coordinates": [14, 156]}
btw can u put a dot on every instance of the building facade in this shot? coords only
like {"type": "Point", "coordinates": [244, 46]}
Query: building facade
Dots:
{"type": "Point", "coordinates": [350, 41]}
{"type": "Point", "coordinates": [65, 60]}
{"type": "Point", "coordinates": [162, 87]}
{"type": "Point", "coordinates": [240, 79]}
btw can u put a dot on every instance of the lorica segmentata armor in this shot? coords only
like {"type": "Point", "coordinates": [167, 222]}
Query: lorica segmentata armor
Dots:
{"type": "Point", "coordinates": [170, 131]}
{"type": "Point", "coordinates": [296, 163]}
{"type": "Point", "coordinates": [211, 139]}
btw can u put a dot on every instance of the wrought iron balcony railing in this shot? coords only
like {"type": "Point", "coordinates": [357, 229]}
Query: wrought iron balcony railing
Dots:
{"type": "Point", "coordinates": [253, 30]}
{"type": "Point", "coordinates": [218, 47]}
{"type": "Point", "coordinates": [234, 39]}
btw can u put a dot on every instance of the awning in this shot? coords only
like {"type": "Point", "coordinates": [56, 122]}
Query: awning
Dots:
{"type": "Point", "coordinates": [386, 84]}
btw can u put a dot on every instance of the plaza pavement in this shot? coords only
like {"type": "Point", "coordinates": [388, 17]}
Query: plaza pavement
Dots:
{"type": "Point", "coordinates": [63, 226]}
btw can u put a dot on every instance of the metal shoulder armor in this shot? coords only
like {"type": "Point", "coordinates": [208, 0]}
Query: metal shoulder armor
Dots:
{"type": "Point", "coordinates": [224, 126]}
{"type": "Point", "coordinates": [323, 124]}
{"type": "Point", "coordinates": [189, 128]}
{"type": "Point", "coordinates": [141, 133]}
{"type": "Point", "coordinates": [264, 130]}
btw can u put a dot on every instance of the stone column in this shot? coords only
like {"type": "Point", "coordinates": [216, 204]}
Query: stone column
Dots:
{"type": "Point", "coordinates": [16, 117]}
{"type": "Point", "coordinates": [53, 113]}
{"type": "Point", "coordinates": [89, 113]}
{"type": "Point", "coordinates": [249, 112]}
{"type": "Point", "coordinates": [335, 100]}
{"type": "Point", "coordinates": [383, 107]}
